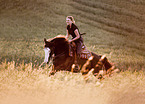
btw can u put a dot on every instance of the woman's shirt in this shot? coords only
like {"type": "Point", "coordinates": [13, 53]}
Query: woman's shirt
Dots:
{"type": "Point", "coordinates": [71, 31]}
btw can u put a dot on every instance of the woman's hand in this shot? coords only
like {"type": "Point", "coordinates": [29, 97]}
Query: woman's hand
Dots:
{"type": "Point", "coordinates": [69, 41]}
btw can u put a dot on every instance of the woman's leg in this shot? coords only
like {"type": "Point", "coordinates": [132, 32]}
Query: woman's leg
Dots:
{"type": "Point", "coordinates": [79, 48]}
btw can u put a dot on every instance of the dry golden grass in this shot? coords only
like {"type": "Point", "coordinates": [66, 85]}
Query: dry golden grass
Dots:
{"type": "Point", "coordinates": [23, 84]}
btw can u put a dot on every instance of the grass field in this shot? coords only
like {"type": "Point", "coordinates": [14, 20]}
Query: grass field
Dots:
{"type": "Point", "coordinates": [114, 28]}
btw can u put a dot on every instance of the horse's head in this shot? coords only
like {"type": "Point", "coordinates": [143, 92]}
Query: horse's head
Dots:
{"type": "Point", "coordinates": [48, 48]}
{"type": "Point", "coordinates": [55, 46]}
{"type": "Point", "coordinates": [47, 43]}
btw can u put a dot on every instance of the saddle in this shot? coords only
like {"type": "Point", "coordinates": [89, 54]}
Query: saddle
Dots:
{"type": "Point", "coordinates": [85, 53]}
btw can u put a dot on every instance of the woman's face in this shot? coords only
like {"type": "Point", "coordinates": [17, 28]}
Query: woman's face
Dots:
{"type": "Point", "coordinates": [68, 21]}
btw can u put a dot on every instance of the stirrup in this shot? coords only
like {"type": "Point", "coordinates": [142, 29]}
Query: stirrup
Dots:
{"type": "Point", "coordinates": [75, 68]}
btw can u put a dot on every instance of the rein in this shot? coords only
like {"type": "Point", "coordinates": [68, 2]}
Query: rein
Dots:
{"type": "Point", "coordinates": [59, 55]}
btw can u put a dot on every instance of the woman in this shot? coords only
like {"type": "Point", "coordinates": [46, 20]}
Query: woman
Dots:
{"type": "Point", "coordinates": [73, 30]}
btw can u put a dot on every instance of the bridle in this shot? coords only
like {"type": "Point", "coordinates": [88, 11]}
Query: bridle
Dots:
{"type": "Point", "coordinates": [58, 55]}
{"type": "Point", "coordinates": [53, 56]}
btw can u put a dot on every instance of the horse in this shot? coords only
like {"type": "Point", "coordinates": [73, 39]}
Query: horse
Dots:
{"type": "Point", "coordinates": [58, 48]}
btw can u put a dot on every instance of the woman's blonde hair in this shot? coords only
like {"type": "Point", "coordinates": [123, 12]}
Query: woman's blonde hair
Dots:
{"type": "Point", "coordinates": [71, 18]}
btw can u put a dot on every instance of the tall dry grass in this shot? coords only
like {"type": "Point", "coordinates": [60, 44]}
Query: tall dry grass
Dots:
{"type": "Point", "coordinates": [24, 84]}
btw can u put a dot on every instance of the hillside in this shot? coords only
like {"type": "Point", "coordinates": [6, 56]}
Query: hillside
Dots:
{"type": "Point", "coordinates": [114, 28]}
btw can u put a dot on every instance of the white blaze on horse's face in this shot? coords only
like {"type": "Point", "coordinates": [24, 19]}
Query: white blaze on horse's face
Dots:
{"type": "Point", "coordinates": [47, 51]}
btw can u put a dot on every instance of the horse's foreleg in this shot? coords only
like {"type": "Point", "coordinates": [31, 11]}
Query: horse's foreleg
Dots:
{"type": "Point", "coordinates": [53, 71]}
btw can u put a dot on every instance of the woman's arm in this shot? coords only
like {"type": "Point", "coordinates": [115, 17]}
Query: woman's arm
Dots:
{"type": "Point", "coordinates": [77, 35]}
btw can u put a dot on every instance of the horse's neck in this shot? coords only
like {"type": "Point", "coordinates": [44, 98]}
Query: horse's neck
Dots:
{"type": "Point", "coordinates": [58, 51]}
{"type": "Point", "coordinates": [61, 50]}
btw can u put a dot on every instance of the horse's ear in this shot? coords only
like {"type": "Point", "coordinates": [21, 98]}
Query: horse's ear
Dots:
{"type": "Point", "coordinates": [44, 39]}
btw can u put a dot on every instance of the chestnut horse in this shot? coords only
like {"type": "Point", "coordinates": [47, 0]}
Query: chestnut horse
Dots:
{"type": "Point", "coordinates": [57, 48]}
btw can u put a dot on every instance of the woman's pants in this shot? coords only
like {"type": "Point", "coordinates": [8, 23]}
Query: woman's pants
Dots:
{"type": "Point", "coordinates": [79, 47]}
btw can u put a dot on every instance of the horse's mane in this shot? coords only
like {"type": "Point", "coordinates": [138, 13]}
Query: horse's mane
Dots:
{"type": "Point", "coordinates": [60, 36]}
{"type": "Point", "coordinates": [57, 37]}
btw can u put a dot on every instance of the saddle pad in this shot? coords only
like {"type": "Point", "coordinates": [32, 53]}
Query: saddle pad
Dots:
{"type": "Point", "coordinates": [85, 54]}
